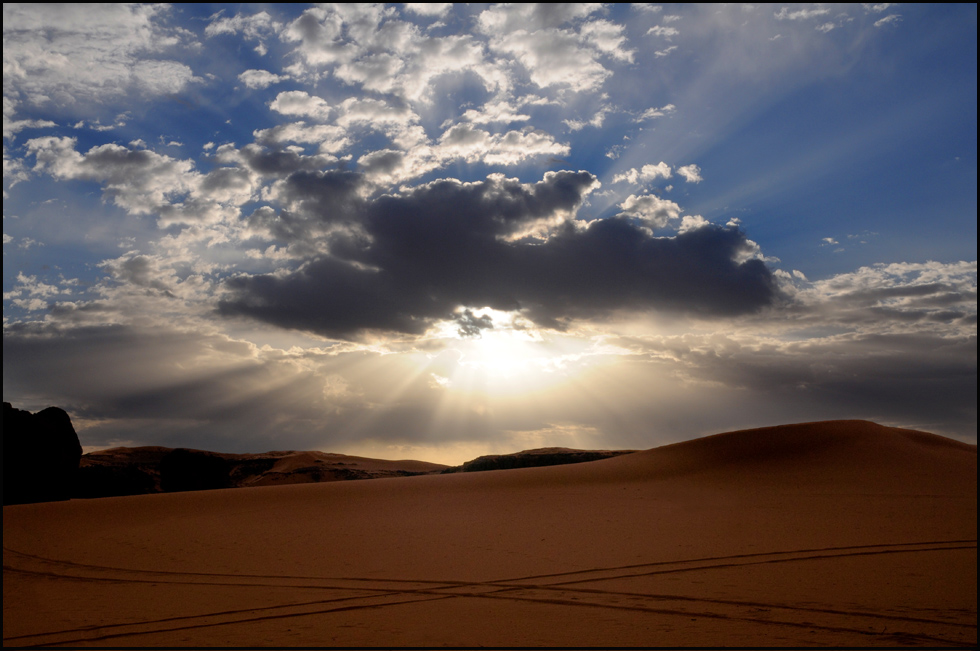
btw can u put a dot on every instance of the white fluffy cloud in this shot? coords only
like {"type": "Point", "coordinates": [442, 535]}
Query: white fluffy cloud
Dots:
{"type": "Point", "coordinates": [260, 78]}
{"type": "Point", "coordinates": [803, 13]}
{"type": "Point", "coordinates": [302, 104]}
{"type": "Point", "coordinates": [432, 9]}
{"type": "Point", "coordinates": [691, 173]}
{"type": "Point", "coordinates": [367, 46]}
{"type": "Point", "coordinates": [143, 182]}
{"type": "Point", "coordinates": [472, 145]}
{"type": "Point", "coordinates": [256, 26]}
{"type": "Point", "coordinates": [504, 18]}
{"type": "Point", "coordinates": [644, 174]}
{"type": "Point", "coordinates": [653, 210]}
{"type": "Point", "coordinates": [89, 53]}
{"type": "Point", "coordinates": [554, 58]}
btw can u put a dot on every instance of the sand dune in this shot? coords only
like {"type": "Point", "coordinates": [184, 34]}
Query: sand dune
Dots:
{"type": "Point", "coordinates": [841, 533]}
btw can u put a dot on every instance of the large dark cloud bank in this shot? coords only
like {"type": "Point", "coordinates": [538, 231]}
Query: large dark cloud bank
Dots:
{"type": "Point", "coordinates": [398, 263]}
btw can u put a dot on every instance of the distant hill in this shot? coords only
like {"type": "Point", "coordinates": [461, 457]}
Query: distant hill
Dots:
{"type": "Point", "coordinates": [535, 458]}
{"type": "Point", "coordinates": [152, 469]}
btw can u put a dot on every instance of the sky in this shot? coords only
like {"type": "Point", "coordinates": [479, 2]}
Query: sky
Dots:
{"type": "Point", "coordinates": [441, 231]}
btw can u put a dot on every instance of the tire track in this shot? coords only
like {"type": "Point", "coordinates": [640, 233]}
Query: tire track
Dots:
{"type": "Point", "coordinates": [228, 622]}
{"type": "Point", "coordinates": [164, 620]}
{"type": "Point", "coordinates": [513, 589]}
{"type": "Point", "coordinates": [789, 559]}
{"type": "Point", "coordinates": [856, 549]}
{"type": "Point", "coordinates": [722, 616]}
{"type": "Point", "coordinates": [734, 557]}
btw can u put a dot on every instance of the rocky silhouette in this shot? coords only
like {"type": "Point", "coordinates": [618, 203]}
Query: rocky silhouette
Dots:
{"type": "Point", "coordinates": [41, 453]}
{"type": "Point", "coordinates": [194, 470]}
{"type": "Point", "coordinates": [120, 471]}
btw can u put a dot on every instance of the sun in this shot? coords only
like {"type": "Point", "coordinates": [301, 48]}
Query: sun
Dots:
{"type": "Point", "coordinates": [507, 356]}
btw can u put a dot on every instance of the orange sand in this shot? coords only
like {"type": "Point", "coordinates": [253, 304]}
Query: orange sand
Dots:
{"type": "Point", "coordinates": [842, 533]}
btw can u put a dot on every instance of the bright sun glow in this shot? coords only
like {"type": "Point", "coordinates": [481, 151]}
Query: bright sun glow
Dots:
{"type": "Point", "coordinates": [506, 354]}
{"type": "Point", "coordinates": [507, 357]}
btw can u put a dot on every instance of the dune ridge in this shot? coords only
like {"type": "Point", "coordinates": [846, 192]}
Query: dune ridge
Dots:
{"type": "Point", "coordinates": [843, 533]}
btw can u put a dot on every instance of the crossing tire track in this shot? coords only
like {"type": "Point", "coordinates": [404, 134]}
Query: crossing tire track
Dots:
{"type": "Point", "coordinates": [546, 588]}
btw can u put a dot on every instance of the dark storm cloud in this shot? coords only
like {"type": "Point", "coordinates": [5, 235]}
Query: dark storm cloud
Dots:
{"type": "Point", "coordinates": [277, 162]}
{"type": "Point", "coordinates": [398, 263]}
{"type": "Point", "coordinates": [143, 385]}
{"type": "Point", "coordinates": [923, 380]}
{"type": "Point", "coordinates": [470, 325]}
{"type": "Point", "coordinates": [133, 385]}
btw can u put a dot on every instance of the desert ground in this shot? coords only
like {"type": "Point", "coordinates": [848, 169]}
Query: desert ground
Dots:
{"type": "Point", "coordinates": [844, 534]}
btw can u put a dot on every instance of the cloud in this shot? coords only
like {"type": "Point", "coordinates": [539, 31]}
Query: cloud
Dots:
{"type": "Point", "coordinates": [894, 343]}
{"type": "Point", "coordinates": [475, 145]}
{"type": "Point", "coordinates": [31, 294]}
{"type": "Point", "coordinates": [801, 14]}
{"type": "Point", "coordinates": [367, 202]}
{"type": "Point", "coordinates": [367, 46]}
{"type": "Point", "coordinates": [256, 26]}
{"type": "Point", "coordinates": [653, 210]}
{"type": "Point", "coordinates": [691, 173]}
{"type": "Point", "coordinates": [492, 112]}
{"type": "Point", "coordinates": [608, 38]}
{"type": "Point", "coordinates": [165, 386]}
{"type": "Point", "coordinates": [330, 138]}
{"type": "Point", "coordinates": [504, 18]}
{"type": "Point", "coordinates": [554, 58]}
{"type": "Point", "coordinates": [143, 182]}
{"type": "Point", "coordinates": [11, 126]}
{"type": "Point", "coordinates": [470, 325]}
{"type": "Point", "coordinates": [888, 20]}
{"type": "Point", "coordinates": [644, 174]}
{"type": "Point", "coordinates": [578, 125]}
{"type": "Point", "coordinates": [665, 32]}
{"type": "Point", "coordinates": [557, 44]}
{"type": "Point", "coordinates": [653, 112]}
{"type": "Point", "coordinates": [446, 245]}
{"type": "Point", "coordinates": [429, 9]}
{"type": "Point", "coordinates": [809, 359]}
{"type": "Point", "coordinates": [692, 222]}
{"type": "Point", "coordinates": [318, 32]}
{"type": "Point", "coordinates": [886, 298]}
{"type": "Point", "coordinates": [64, 54]}
{"type": "Point", "coordinates": [258, 79]}
{"type": "Point", "coordinates": [302, 104]}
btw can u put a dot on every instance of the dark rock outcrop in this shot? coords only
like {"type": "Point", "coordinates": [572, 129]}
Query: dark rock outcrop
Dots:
{"type": "Point", "coordinates": [114, 481]}
{"type": "Point", "coordinates": [534, 458]}
{"type": "Point", "coordinates": [115, 472]}
{"type": "Point", "coordinates": [40, 455]}
{"type": "Point", "coordinates": [194, 470]}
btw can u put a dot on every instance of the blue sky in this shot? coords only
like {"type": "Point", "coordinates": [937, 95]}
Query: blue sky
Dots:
{"type": "Point", "coordinates": [441, 231]}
